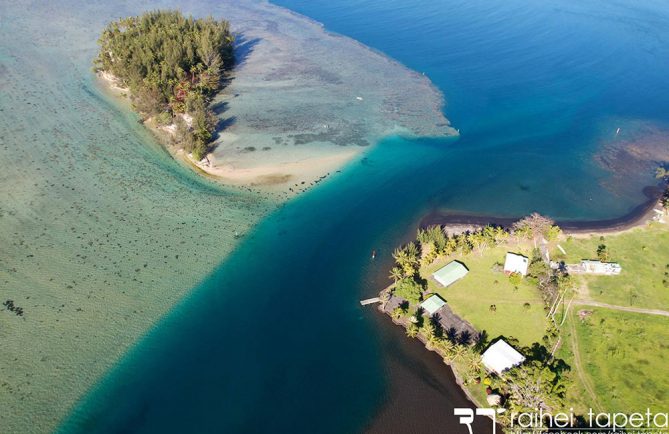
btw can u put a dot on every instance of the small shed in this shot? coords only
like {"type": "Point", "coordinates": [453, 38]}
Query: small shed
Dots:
{"type": "Point", "coordinates": [433, 304]}
{"type": "Point", "coordinates": [452, 272]}
{"type": "Point", "coordinates": [516, 263]}
{"type": "Point", "coordinates": [501, 356]}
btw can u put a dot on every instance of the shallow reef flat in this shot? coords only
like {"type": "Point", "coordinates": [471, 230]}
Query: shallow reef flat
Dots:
{"type": "Point", "coordinates": [101, 231]}
{"type": "Point", "coordinates": [303, 100]}
{"type": "Point", "coordinates": [629, 149]}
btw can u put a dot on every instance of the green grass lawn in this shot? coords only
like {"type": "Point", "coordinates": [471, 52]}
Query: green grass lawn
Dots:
{"type": "Point", "coordinates": [472, 296]}
{"type": "Point", "coordinates": [643, 254]}
{"type": "Point", "coordinates": [624, 355]}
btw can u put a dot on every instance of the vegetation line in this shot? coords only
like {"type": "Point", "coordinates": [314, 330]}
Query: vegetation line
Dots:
{"type": "Point", "coordinates": [537, 383]}
{"type": "Point", "coordinates": [172, 66]}
{"type": "Point", "coordinates": [452, 292]}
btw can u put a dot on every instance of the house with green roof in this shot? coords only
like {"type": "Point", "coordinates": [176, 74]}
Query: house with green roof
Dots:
{"type": "Point", "coordinates": [452, 272]}
{"type": "Point", "coordinates": [433, 304]}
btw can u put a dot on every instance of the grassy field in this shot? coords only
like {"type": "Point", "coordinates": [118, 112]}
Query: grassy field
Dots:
{"type": "Point", "coordinates": [624, 357]}
{"type": "Point", "coordinates": [472, 296]}
{"type": "Point", "coordinates": [618, 358]}
{"type": "Point", "coordinates": [643, 254]}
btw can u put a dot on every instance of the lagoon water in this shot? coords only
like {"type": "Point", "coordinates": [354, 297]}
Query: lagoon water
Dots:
{"type": "Point", "coordinates": [275, 340]}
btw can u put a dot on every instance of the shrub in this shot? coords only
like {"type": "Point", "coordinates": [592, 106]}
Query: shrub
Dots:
{"type": "Point", "coordinates": [409, 289]}
{"type": "Point", "coordinates": [515, 278]}
{"type": "Point", "coordinates": [164, 118]}
{"type": "Point", "coordinates": [602, 253]}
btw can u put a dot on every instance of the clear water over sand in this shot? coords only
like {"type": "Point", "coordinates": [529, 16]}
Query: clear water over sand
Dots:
{"type": "Point", "coordinates": [304, 101]}
{"type": "Point", "coordinates": [274, 340]}
{"type": "Point", "coordinates": [101, 231]}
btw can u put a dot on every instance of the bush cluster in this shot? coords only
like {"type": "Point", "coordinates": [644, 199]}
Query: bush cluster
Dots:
{"type": "Point", "coordinates": [172, 65]}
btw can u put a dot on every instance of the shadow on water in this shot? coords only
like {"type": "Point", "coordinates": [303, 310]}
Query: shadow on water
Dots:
{"type": "Point", "coordinates": [243, 48]}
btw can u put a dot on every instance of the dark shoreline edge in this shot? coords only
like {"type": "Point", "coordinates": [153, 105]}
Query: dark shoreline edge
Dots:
{"type": "Point", "coordinates": [637, 216]}
{"type": "Point", "coordinates": [459, 221]}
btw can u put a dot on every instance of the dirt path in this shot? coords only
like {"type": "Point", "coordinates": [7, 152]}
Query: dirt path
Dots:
{"type": "Point", "coordinates": [585, 380]}
{"type": "Point", "coordinates": [622, 308]}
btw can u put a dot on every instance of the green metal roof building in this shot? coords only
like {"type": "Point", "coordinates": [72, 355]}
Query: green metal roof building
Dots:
{"type": "Point", "coordinates": [433, 304]}
{"type": "Point", "coordinates": [451, 273]}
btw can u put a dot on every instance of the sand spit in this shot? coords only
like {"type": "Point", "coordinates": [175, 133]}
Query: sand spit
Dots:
{"type": "Point", "coordinates": [300, 93]}
{"type": "Point", "coordinates": [302, 102]}
{"type": "Point", "coordinates": [101, 232]}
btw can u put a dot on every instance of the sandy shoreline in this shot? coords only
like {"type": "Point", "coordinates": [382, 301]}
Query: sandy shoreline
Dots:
{"type": "Point", "coordinates": [639, 216]}
{"type": "Point", "coordinates": [302, 102]}
{"type": "Point", "coordinates": [103, 233]}
{"type": "Point", "coordinates": [298, 174]}
{"type": "Point", "coordinates": [288, 176]}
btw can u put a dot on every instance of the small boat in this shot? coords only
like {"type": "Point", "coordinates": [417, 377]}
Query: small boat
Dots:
{"type": "Point", "coordinates": [373, 254]}
{"type": "Point", "coordinates": [617, 131]}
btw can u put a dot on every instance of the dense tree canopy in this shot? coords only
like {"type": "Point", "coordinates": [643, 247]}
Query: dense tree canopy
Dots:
{"type": "Point", "coordinates": [172, 65]}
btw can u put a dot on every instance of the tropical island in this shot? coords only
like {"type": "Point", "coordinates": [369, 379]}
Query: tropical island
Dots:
{"type": "Point", "coordinates": [172, 66]}
{"type": "Point", "coordinates": [279, 147]}
{"type": "Point", "coordinates": [530, 318]}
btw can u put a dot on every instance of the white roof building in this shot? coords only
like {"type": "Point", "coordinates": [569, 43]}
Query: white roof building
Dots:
{"type": "Point", "coordinates": [599, 267]}
{"type": "Point", "coordinates": [501, 356]}
{"type": "Point", "coordinates": [516, 264]}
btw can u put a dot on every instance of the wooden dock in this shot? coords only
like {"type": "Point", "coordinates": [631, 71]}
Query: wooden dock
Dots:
{"type": "Point", "coordinates": [370, 301]}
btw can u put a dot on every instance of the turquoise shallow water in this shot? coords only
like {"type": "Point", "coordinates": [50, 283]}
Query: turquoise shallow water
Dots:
{"type": "Point", "coordinates": [275, 341]}
{"type": "Point", "coordinates": [535, 90]}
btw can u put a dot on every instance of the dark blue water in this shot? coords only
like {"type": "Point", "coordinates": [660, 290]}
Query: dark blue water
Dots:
{"type": "Point", "coordinates": [534, 87]}
{"type": "Point", "coordinates": [275, 341]}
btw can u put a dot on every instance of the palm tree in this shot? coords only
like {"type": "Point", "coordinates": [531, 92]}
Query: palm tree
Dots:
{"type": "Point", "coordinates": [396, 274]}
{"type": "Point", "coordinates": [399, 255]}
{"type": "Point", "coordinates": [413, 255]}
{"type": "Point", "coordinates": [422, 236]}
{"type": "Point", "coordinates": [450, 246]}
{"type": "Point", "coordinates": [501, 235]}
{"type": "Point", "coordinates": [478, 242]}
{"type": "Point", "coordinates": [430, 332]}
{"type": "Point", "coordinates": [459, 351]}
{"type": "Point", "coordinates": [447, 349]}
{"type": "Point", "coordinates": [474, 362]}
{"type": "Point", "coordinates": [412, 330]}
{"type": "Point", "coordinates": [489, 233]}
{"type": "Point", "coordinates": [398, 312]}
